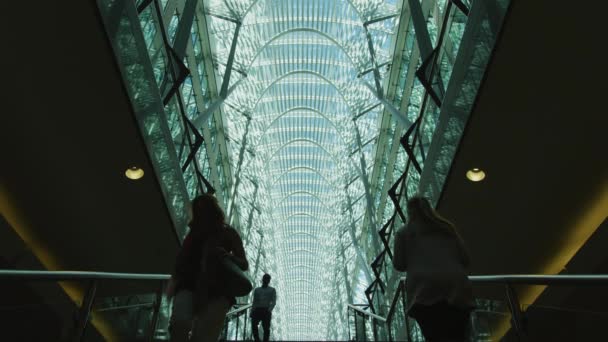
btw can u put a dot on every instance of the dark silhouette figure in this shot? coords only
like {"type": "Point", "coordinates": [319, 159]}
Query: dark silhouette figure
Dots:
{"type": "Point", "coordinates": [200, 304]}
{"type": "Point", "coordinates": [264, 300]}
{"type": "Point", "coordinates": [437, 286]}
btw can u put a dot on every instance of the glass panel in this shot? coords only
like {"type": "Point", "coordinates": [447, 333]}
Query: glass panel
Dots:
{"type": "Point", "coordinates": [130, 317]}
{"type": "Point", "coordinates": [470, 65]}
{"type": "Point", "coordinates": [131, 50]}
{"type": "Point", "coordinates": [564, 323]}
{"type": "Point", "coordinates": [36, 311]}
{"type": "Point", "coordinates": [491, 320]}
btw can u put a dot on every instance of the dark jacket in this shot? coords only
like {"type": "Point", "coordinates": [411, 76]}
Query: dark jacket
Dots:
{"type": "Point", "coordinates": [198, 261]}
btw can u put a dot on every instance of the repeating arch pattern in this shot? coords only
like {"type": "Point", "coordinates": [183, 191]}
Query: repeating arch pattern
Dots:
{"type": "Point", "coordinates": [292, 128]}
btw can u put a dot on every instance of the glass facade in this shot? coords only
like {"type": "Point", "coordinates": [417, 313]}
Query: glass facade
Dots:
{"type": "Point", "coordinates": [311, 121]}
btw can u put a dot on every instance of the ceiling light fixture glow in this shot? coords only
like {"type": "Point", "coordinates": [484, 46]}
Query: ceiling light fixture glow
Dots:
{"type": "Point", "coordinates": [476, 175]}
{"type": "Point", "coordinates": [134, 173]}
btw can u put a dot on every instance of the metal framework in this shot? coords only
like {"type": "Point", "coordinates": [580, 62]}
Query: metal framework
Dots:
{"type": "Point", "coordinates": [300, 88]}
{"type": "Point", "coordinates": [311, 120]}
{"type": "Point", "coordinates": [302, 310]}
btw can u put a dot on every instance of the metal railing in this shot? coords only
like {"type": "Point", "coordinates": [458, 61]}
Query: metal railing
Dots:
{"type": "Point", "coordinates": [508, 281]}
{"type": "Point", "coordinates": [539, 279]}
{"type": "Point", "coordinates": [93, 279]}
{"type": "Point", "coordinates": [399, 299]}
{"type": "Point", "coordinates": [233, 317]}
{"type": "Point", "coordinates": [362, 329]}
{"type": "Point", "coordinates": [77, 275]}
{"type": "Point", "coordinates": [379, 327]}
{"type": "Point", "coordinates": [235, 325]}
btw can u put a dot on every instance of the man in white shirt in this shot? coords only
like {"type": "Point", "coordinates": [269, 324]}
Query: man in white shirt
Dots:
{"type": "Point", "coordinates": [264, 300]}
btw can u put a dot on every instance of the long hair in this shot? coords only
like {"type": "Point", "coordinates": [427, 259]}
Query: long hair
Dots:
{"type": "Point", "coordinates": [207, 215]}
{"type": "Point", "coordinates": [420, 208]}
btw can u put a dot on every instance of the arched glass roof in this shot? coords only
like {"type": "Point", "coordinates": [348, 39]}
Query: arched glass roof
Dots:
{"type": "Point", "coordinates": [302, 109]}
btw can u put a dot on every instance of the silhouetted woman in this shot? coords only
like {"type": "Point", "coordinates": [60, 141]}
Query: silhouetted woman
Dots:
{"type": "Point", "coordinates": [437, 286]}
{"type": "Point", "coordinates": [200, 303]}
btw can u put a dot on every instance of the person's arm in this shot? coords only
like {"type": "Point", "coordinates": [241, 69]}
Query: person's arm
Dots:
{"type": "Point", "coordinates": [180, 265]}
{"type": "Point", "coordinates": [254, 298]}
{"type": "Point", "coordinates": [399, 258]}
{"type": "Point", "coordinates": [237, 251]}
{"type": "Point", "coordinates": [462, 250]}
{"type": "Point", "coordinates": [171, 285]}
{"type": "Point", "coordinates": [273, 299]}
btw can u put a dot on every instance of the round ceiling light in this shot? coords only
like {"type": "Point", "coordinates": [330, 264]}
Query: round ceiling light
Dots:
{"type": "Point", "coordinates": [476, 175]}
{"type": "Point", "coordinates": [134, 173]}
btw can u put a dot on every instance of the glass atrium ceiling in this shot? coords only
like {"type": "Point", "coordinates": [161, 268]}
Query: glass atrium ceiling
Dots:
{"type": "Point", "coordinates": [301, 119]}
{"type": "Point", "coordinates": [310, 120]}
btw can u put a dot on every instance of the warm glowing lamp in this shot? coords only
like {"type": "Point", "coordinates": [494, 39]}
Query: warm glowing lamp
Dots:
{"type": "Point", "coordinates": [476, 175]}
{"type": "Point", "coordinates": [134, 173]}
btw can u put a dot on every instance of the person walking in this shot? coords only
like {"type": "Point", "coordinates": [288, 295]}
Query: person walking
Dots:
{"type": "Point", "coordinates": [439, 293]}
{"type": "Point", "coordinates": [200, 303]}
{"type": "Point", "coordinates": [264, 300]}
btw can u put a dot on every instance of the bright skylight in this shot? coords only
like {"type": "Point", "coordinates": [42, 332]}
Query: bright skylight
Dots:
{"type": "Point", "coordinates": [302, 68]}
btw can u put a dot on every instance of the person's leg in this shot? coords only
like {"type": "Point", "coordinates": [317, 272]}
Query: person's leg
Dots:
{"type": "Point", "coordinates": [180, 330]}
{"type": "Point", "coordinates": [181, 316]}
{"type": "Point", "coordinates": [266, 324]}
{"type": "Point", "coordinates": [255, 321]}
{"type": "Point", "coordinates": [443, 322]}
{"type": "Point", "coordinates": [210, 320]}
{"type": "Point", "coordinates": [456, 322]}
{"type": "Point", "coordinates": [426, 317]}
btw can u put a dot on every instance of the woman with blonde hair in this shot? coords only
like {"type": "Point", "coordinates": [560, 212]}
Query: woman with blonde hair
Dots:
{"type": "Point", "coordinates": [439, 294]}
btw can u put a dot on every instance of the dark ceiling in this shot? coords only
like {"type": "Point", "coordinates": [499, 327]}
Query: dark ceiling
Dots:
{"type": "Point", "coordinates": [68, 135]}
{"type": "Point", "coordinates": [539, 131]}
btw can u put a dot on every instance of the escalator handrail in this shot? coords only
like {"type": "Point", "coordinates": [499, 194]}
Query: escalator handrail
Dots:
{"type": "Point", "coordinates": [527, 279]}
{"type": "Point", "coordinates": [540, 279]}
{"type": "Point", "coordinates": [77, 275]}
{"type": "Point", "coordinates": [366, 313]}
{"type": "Point", "coordinates": [238, 311]}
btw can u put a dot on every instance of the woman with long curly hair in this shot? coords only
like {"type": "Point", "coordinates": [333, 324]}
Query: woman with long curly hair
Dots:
{"type": "Point", "coordinates": [200, 303]}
